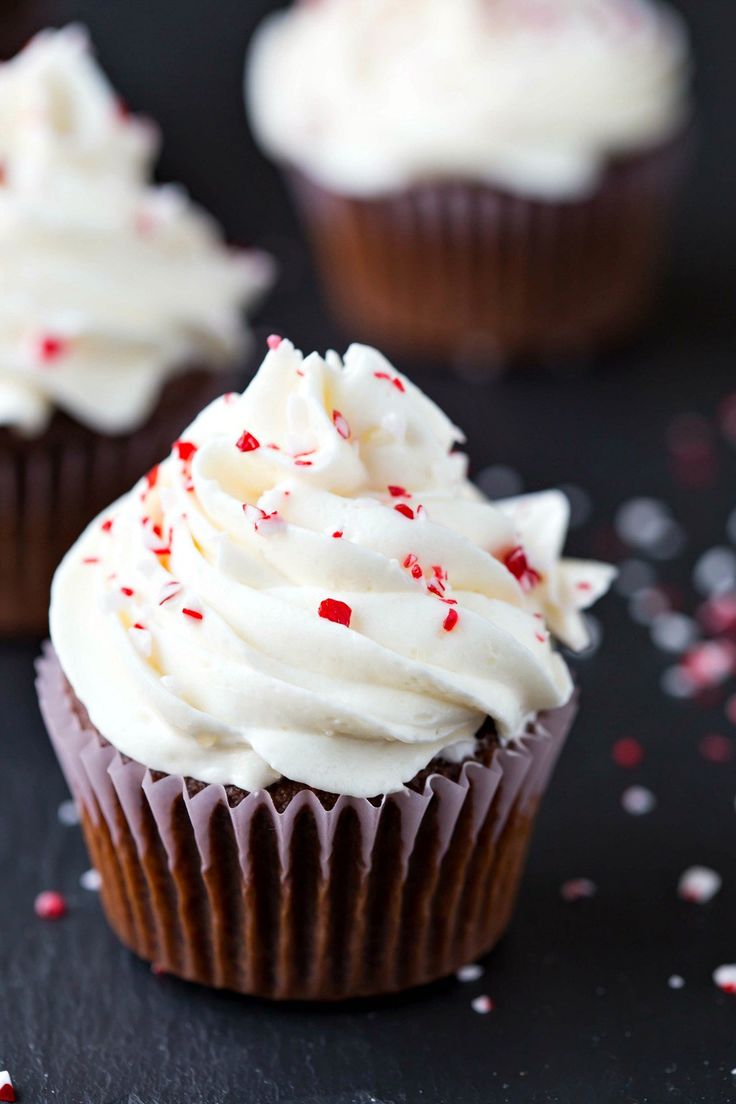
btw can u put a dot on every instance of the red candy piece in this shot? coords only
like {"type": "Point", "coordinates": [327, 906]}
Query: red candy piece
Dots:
{"type": "Point", "coordinates": [398, 492]}
{"type": "Point", "coordinates": [185, 450]}
{"type": "Point", "coordinates": [247, 442]}
{"type": "Point", "coordinates": [49, 905]}
{"type": "Point", "coordinates": [194, 614]}
{"type": "Point", "coordinates": [7, 1091]}
{"type": "Point", "coordinates": [51, 348]}
{"type": "Point", "coordinates": [451, 620]}
{"type": "Point", "coordinates": [627, 753]}
{"type": "Point", "coordinates": [333, 610]}
{"type": "Point", "coordinates": [407, 511]}
{"type": "Point", "coordinates": [516, 562]}
{"type": "Point", "coordinates": [274, 341]}
{"type": "Point", "coordinates": [393, 380]}
{"type": "Point", "coordinates": [341, 424]}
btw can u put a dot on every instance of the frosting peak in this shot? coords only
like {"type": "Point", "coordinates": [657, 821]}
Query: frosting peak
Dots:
{"type": "Point", "coordinates": [309, 586]}
{"type": "Point", "coordinates": [368, 96]}
{"type": "Point", "coordinates": [110, 284]}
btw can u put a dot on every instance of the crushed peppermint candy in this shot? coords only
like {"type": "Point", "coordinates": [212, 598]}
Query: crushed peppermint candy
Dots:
{"type": "Point", "coordinates": [725, 977]}
{"type": "Point", "coordinates": [68, 813]}
{"type": "Point", "coordinates": [341, 424]}
{"type": "Point", "coordinates": [7, 1092]}
{"type": "Point", "coordinates": [247, 442]}
{"type": "Point", "coordinates": [106, 526]}
{"type": "Point", "coordinates": [516, 562]}
{"type": "Point", "coordinates": [185, 450]}
{"type": "Point", "coordinates": [91, 880]}
{"type": "Point", "coordinates": [168, 591]}
{"type": "Point", "coordinates": [638, 801]}
{"type": "Point", "coordinates": [405, 510]}
{"type": "Point", "coordinates": [627, 753]}
{"type": "Point", "coordinates": [393, 380]}
{"type": "Point", "coordinates": [675, 981]}
{"type": "Point", "coordinates": [337, 534]}
{"type": "Point", "coordinates": [49, 905]}
{"type": "Point", "coordinates": [699, 884]}
{"type": "Point", "coordinates": [482, 1005]}
{"type": "Point", "coordinates": [472, 972]}
{"type": "Point", "coordinates": [451, 620]}
{"type": "Point", "coordinates": [50, 348]}
{"type": "Point", "coordinates": [273, 341]}
{"type": "Point", "coordinates": [398, 492]}
{"type": "Point", "coordinates": [578, 889]}
{"type": "Point", "coordinates": [194, 614]}
{"type": "Point", "coordinates": [331, 609]}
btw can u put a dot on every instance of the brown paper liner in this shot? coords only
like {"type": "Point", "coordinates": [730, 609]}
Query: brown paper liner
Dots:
{"type": "Point", "coordinates": [307, 903]}
{"type": "Point", "coordinates": [457, 269]}
{"type": "Point", "coordinates": [52, 486]}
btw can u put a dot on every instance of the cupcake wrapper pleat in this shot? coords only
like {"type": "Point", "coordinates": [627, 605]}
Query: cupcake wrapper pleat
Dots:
{"type": "Point", "coordinates": [305, 903]}
{"type": "Point", "coordinates": [469, 271]}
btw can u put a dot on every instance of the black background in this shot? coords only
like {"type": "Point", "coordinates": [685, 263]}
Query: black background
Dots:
{"type": "Point", "coordinates": [583, 1008]}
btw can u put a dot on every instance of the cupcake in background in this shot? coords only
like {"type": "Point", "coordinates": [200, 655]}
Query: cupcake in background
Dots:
{"type": "Point", "coordinates": [305, 689]}
{"type": "Point", "coordinates": [121, 310]}
{"type": "Point", "coordinates": [493, 175]}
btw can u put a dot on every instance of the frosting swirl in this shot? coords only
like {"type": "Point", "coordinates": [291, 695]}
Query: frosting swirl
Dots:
{"type": "Point", "coordinates": [309, 587]}
{"type": "Point", "coordinates": [110, 285]}
{"type": "Point", "coordinates": [367, 96]}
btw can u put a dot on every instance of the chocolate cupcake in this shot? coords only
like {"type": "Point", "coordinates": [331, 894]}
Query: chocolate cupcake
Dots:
{"type": "Point", "coordinates": [323, 702]}
{"type": "Point", "coordinates": [120, 315]}
{"type": "Point", "coordinates": [485, 179]}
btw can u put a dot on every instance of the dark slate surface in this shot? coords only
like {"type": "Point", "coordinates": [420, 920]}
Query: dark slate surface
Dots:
{"type": "Point", "coordinates": [583, 1007]}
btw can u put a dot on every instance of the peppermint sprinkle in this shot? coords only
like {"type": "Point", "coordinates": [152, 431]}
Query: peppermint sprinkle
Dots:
{"type": "Point", "coordinates": [676, 982]}
{"type": "Point", "coordinates": [393, 380]}
{"type": "Point", "coordinates": [638, 801]}
{"type": "Point", "coordinates": [185, 450]}
{"type": "Point", "coordinates": [451, 620]}
{"type": "Point", "coordinates": [410, 560]}
{"type": "Point", "coordinates": [49, 905]}
{"type": "Point", "coordinates": [398, 492]}
{"type": "Point", "coordinates": [247, 442]}
{"type": "Point", "coordinates": [482, 1005]}
{"type": "Point", "coordinates": [699, 885]}
{"type": "Point", "coordinates": [273, 342]}
{"type": "Point", "coordinates": [473, 972]}
{"type": "Point", "coordinates": [91, 880]}
{"type": "Point", "coordinates": [194, 614]}
{"type": "Point", "coordinates": [516, 562]}
{"type": "Point", "coordinates": [152, 478]}
{"type": "Point", "coordinates": [331, 609]}
{"type": "Point", "coordinates": [337, 534]}
{"type": "Point", "coordinates": [407, 511]}
{"type": "Point", "coordinates": [91, 560]}
{"type": "Point", "coordinates": [341, 425]}
{"type": "Point", "coordinates": [627, 753]}
{"type": "Point", "coordinates": [725, 977]}
{"type": "Point", "coordinates": [106, 525]}
{"type": "Point", "coordinates": [67, 813]}
{"type": "Point", "coordinates": [50, 348]}
{"type": "Point", "coordinates": [169, 591]}
{"type": "Point", "coordinates": [7, 1092]}
{"type": "Point", "coordinates": [578, 889]}
{"type": "Point", "coordinates": [127, 591]}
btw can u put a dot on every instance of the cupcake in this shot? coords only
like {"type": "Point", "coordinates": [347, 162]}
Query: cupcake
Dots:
{"type": "Point", "coordinates": [120, 314]}
{"type": "Point", "coordinates": [493, 177]}
{"type": "Point", "coordinates": [323, 701]}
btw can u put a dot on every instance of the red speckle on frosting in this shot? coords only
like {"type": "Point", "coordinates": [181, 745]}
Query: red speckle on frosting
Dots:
{"type": "Point", "coordinates": [140, 626]}
{"type": "Point", "coordinates": [50, 348]}
{"type": "Point", "coordinates": [169, 591]}
{"type": "Point", "coordinates": [333, 610]}
{"type": "Point", "coordinates": [247, 442]}
{"type": "Point", "coordinates": [407, 511]}
{"type": "Point", "coordinates": [393, 380]}
{"type": "Point", "coordinates": [398, 492]}
{"type": "Point", "coordinates": [451, 620]}
{"type": "Point", "coordinates": [194, 614]}
{"type": "Point", "coordinates": [152, 478]}
{"type": "Point", "coordinates": [303, 463]}
{"type": "Point", "coordinates": [517, 563]}
{"type": "Point", "coordinates": [106, 525]}
{"type": "Point", "coordinates": [7, 1092]}
{"type": "Point", "coordinates": [340, 423]}
{"type": "Point", "coordinates": [627, 753]}
{"type": "Point", "coordinates": [337, 534]}
{"type": "Point", "coordinates": [127, 591]}
{"type": "Point", "coordinates": [273, 341]}
{"type": "Point", "coordinates": [91, 560]}
{"type": "Point", "coordinates": [416, 571]}
{"type": "Point", "coordinates": [49, 905]}
{"type": "Point", "coordinates": [541, 638]}
{"type": "Point", "coordinates": [229, 397]}
{"type": "Point", "coordinates": [410, 560]}
{"type": "Point", "coordinates": [185, 450]}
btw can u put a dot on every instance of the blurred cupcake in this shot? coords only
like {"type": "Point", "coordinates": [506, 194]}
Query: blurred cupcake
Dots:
{"type": "Point", "coordinates": [493, 175]}
{"type": "Point", "coordinates": [120, 310]}
{"type": "Point", "coordinates": [322, 704]}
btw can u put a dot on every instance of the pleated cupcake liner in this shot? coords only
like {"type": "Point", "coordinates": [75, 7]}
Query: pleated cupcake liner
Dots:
{"type": "Point", "coordinates": [467, 271]}
{"type": "Point", "coordinates": [51, 487]}
{"type": "Point", "coordinates": [305, 903]}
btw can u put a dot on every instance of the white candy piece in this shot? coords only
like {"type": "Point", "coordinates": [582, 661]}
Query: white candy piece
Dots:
{"type": "Point", "coordinates": [6, 1083]}
{"type": "Point", "coordinates": [725, 977]}
{"type": "Point", "coordinates": [90, 880]}
{"type": "Point", "coordinates": [638, 800]}
{"type": "Point", "coordinates": [68, 813]}
{"type": "Point", "coordinates": [482, 1005]}
{"type": "Point", "coordinates": [470, 973]}
{"type": "Point", "coordinates": [699, 884]}
{"type": "Point", "coordinates": [676, 982]}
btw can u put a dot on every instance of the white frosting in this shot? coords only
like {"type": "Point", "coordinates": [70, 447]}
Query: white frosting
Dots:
{"type": "Point", "coordinates": [261, 685]}
{"type": "Point", "coordinates": [109, 284]}
{"type": "Point", "coordinates": [367, 96]}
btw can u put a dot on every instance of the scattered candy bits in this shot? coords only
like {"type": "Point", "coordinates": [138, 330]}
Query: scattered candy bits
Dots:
{"type": "Point", "coordinates": [482, 1005]}
{"type": "Point", "coordinates": [725, 977]}
{"type": "Point", "coordinates": [451, 620]}
{"type": "Point", "coordinates": [331, 609]}
{"type": "Point", "coordinates": [49, 905]}
{"type": "Point", "coordinates": [247, 442]}
{"type": "Point", "coordinates": [676, 982]}
{"type": "Point", "coordinates": [516, 562]}
{"type": "Point", "coordinates": [638, 800]}
{"type": "Point", "coordinates": [627, 753]}
{"type": "Point", "coordinates": [7, 1092]}
{"type": "Point", "coordinates": [578, 889]}
{"type": "Point", "coordinates": [274, 341]}
{"type": "Point", "coordinates": [472, 972]}
{"type": "Point", "coordinates": [699, 884]}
